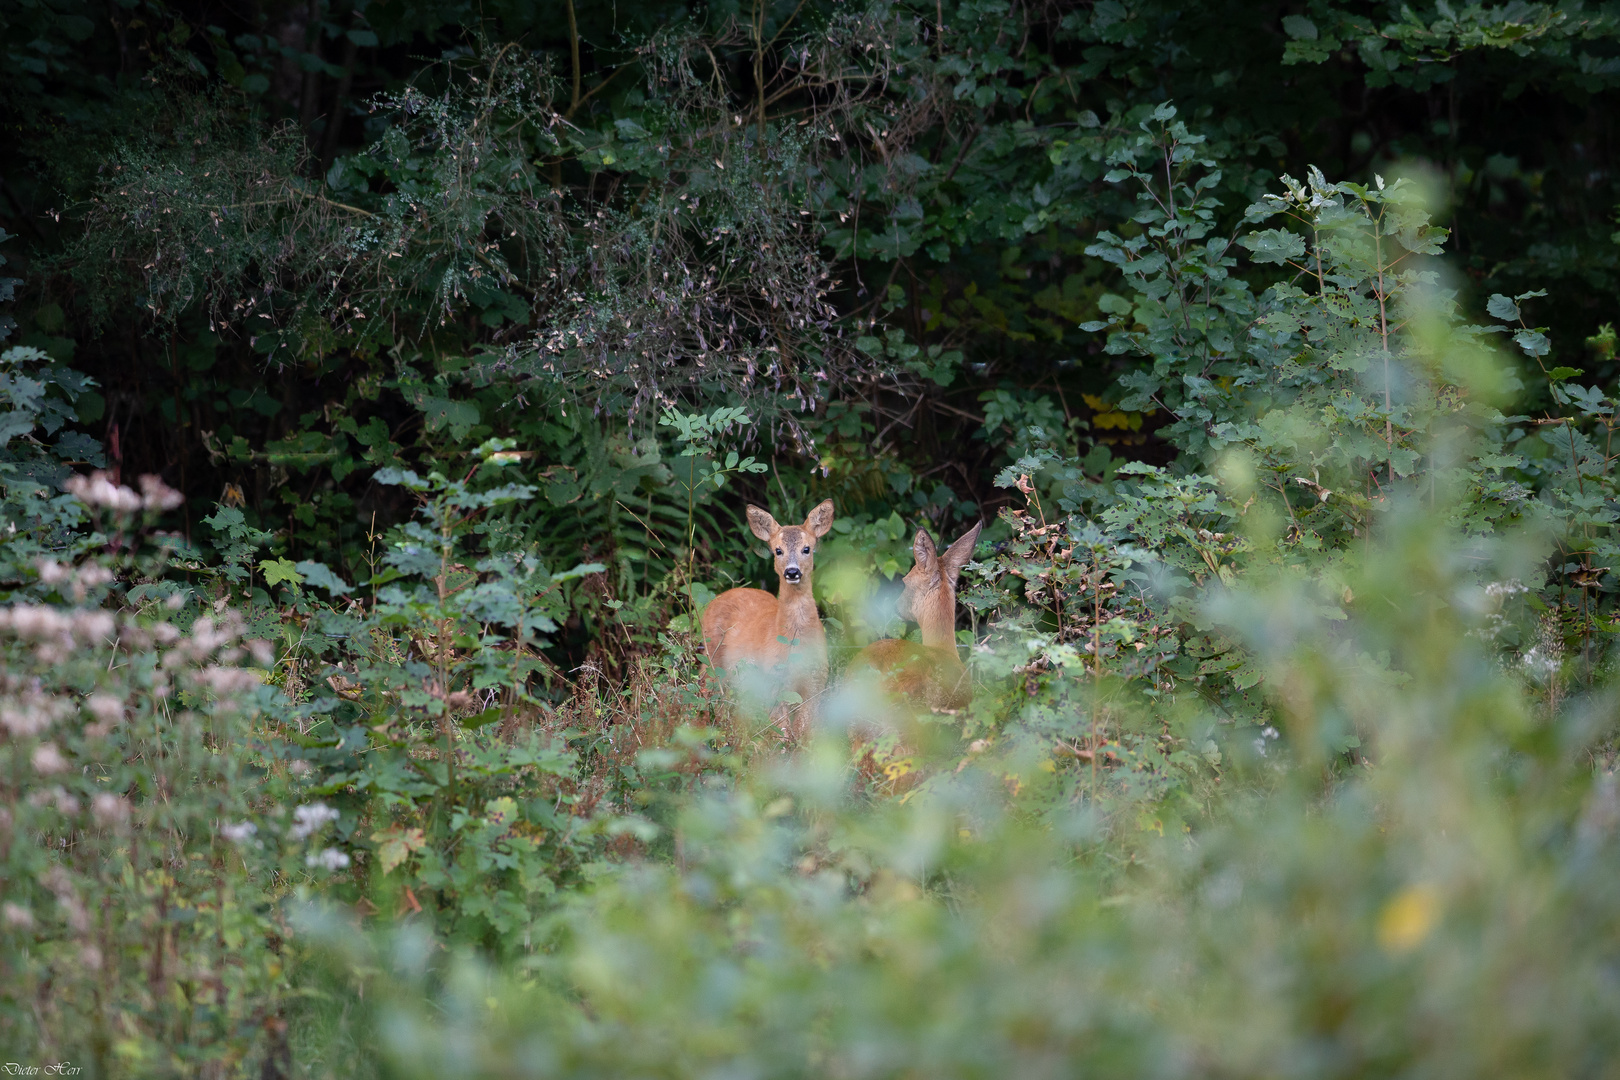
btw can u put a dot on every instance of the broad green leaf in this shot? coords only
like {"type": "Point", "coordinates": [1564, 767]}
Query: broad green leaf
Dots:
{"type": "Point", "coordinates": [315, 573]}
{"type": "Point", "coordinates": [277, 571]}
{"type": "Point", "coordinates": [1300, 28]}
{"type": "Point", "coordinates": [1276, 246]}
{"type": "Point", "coordinates": [1533, 342]}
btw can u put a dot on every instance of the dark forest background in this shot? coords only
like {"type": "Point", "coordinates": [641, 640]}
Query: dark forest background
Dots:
{"type": "Point", "coordinates": [905, 174]}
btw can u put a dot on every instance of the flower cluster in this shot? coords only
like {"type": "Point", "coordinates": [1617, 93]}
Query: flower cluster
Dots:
{"type": "Point", "coordinates": [98, 490]}
{"type": "Point", "coordinates": [310, 819]}
{"type": "Point", "coordinates": [55, 632]}
{"type": "Point", "coordinates": [26, 709]}
{"type": "Point", "coordinates": [78, 579]}
{"type": "Point", "coordinates": [327, 859]}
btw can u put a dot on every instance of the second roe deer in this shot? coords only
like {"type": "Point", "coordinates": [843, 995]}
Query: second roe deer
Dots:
{"type": "Point", "coordinates": [780, 636]}
{"type": "Point", "coordinates": [930, 675]}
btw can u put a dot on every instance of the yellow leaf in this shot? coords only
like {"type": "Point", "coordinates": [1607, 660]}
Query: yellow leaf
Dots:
{"type": "Point", "coordinates": [1408, 918]}
{"type": "Point", "coordinates": [501, 812]}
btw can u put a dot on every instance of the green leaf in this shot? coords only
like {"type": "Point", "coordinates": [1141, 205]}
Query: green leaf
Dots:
{"type": "Point", "coordinates": [1501, 307]}
{"type": "Point", "coordinates": [277, 571]}
{"type": "Point", "coordinates": [1560, 373]}
{"type": "Point", "coordinates": [225, 518]}
{"type": "Point", "coordinates": [1533, 342]}
{"type": "Point", "coordinates": [1300, 28]}
{"type": "Point", "coordinates": [315, 573]}
{"type": "Point", "coordinates": [1282, 322]}
{"type": "Point", "coordinates": [1275, 246]}
{"type": "Point", "coordinates": [401, 477]}
{"type": "Point", "coordinates": [438, 412]}
{"type": "Point", "coordinates": [478, 720]}
{"type": "Point", "coordinates": [582, 570]}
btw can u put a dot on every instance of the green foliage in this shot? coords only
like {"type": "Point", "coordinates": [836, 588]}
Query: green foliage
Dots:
{"type": "Point", "coordinates": [38, 398]}
{"type": "Point", "coordinates": [1292, 650]}
{"type": "Point", "coordinates": [146, 836]}
{"type": "Point", "coordinates": [399, 699]}
{"type": "Point", "coordinates": [1373, 927]}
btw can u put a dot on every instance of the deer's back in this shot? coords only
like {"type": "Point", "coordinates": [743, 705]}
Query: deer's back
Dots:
{"type": "Point", "coordinates": [738, 625]}
{"type": "Point", "coordinates": [929, 676]}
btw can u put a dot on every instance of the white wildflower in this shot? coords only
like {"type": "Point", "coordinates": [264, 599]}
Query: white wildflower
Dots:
{"type": "Point", "coordinates": [24, 718]}
{"type": "Point", "coordinates": [109, 809]}
{"type": "Point", "coordinates": [96, 574]}
{"type": "Point", "coordinates": [156, 495]}
{"type": "Point", "coordinates": [327, 859]}
{"type": "Point", "coordinates": [97, 490]}
{"type": "Point", "coordinates": [206, 636]}
{"type": "Point", "coordinates": [47, 759]}
{"type": "Point", "coordinates": [87, 577]}
{"type": "Point", "coordinates": [226, 681]}
{"type": "Point", "coordinates": [52, 653]}
{"type": "Point", "coordinates": [309, 819]}
{"type": "Point", "coordinates": [35, 622]}
{"type": "Point", "coordinates": [94, 627]}
{"type": "Point", "coordinates": [239, 832]}
{"type": "Point", "coordinates": [78, 919]}
{"type": "Point", "coordinates": [106, 708]}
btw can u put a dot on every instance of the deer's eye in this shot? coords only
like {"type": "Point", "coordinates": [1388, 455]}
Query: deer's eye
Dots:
{"type": "Point", "coordinates": [779, 551]}
{"type": "Point", "coordinates": [807, 551]}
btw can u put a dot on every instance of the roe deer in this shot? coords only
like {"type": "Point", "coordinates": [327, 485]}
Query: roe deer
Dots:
{"type": "Point", "coordinates": [780, 635]}
{"type": "Point", "coordinates": [930, 675]}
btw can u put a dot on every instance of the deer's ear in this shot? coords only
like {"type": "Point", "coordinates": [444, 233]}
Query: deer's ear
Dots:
{"type": "Point", "coordinates": [820, 519]}
{"type": "Point", "coordinates": [922, 549]}
{"type": "Point", "coordinates": [958, 554]}
{"type": "Point", "coordinates": [761, 524]}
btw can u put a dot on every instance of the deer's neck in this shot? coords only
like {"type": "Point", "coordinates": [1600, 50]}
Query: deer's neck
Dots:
{"type": "Point", "coordinates": [938, 624]}
{"type": "Point", "coordinates": [795, 608]}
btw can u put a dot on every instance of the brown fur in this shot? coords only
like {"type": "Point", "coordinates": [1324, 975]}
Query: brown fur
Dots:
{"type": "Point", "coordinates": [931, 675]}
{"type": "Point", "coordinates": [781, 635]}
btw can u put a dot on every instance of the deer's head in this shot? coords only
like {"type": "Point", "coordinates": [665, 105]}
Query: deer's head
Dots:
{"type": "Point", "coordinates": [931, 584]}
{"type": "Point", "coordinates": [792, 546]}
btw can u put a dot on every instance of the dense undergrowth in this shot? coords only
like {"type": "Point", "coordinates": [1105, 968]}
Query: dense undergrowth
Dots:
{"type": "Point", "coordinates": [1292, 742]}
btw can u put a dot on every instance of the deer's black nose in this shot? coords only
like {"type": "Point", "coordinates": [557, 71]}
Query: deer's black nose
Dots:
{"type": "Point", "coordinates": [792, 573]}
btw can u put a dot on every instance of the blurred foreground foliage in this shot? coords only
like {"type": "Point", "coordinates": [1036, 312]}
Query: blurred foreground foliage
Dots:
{"type": "Point", "coordinates": [1291, 629]}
